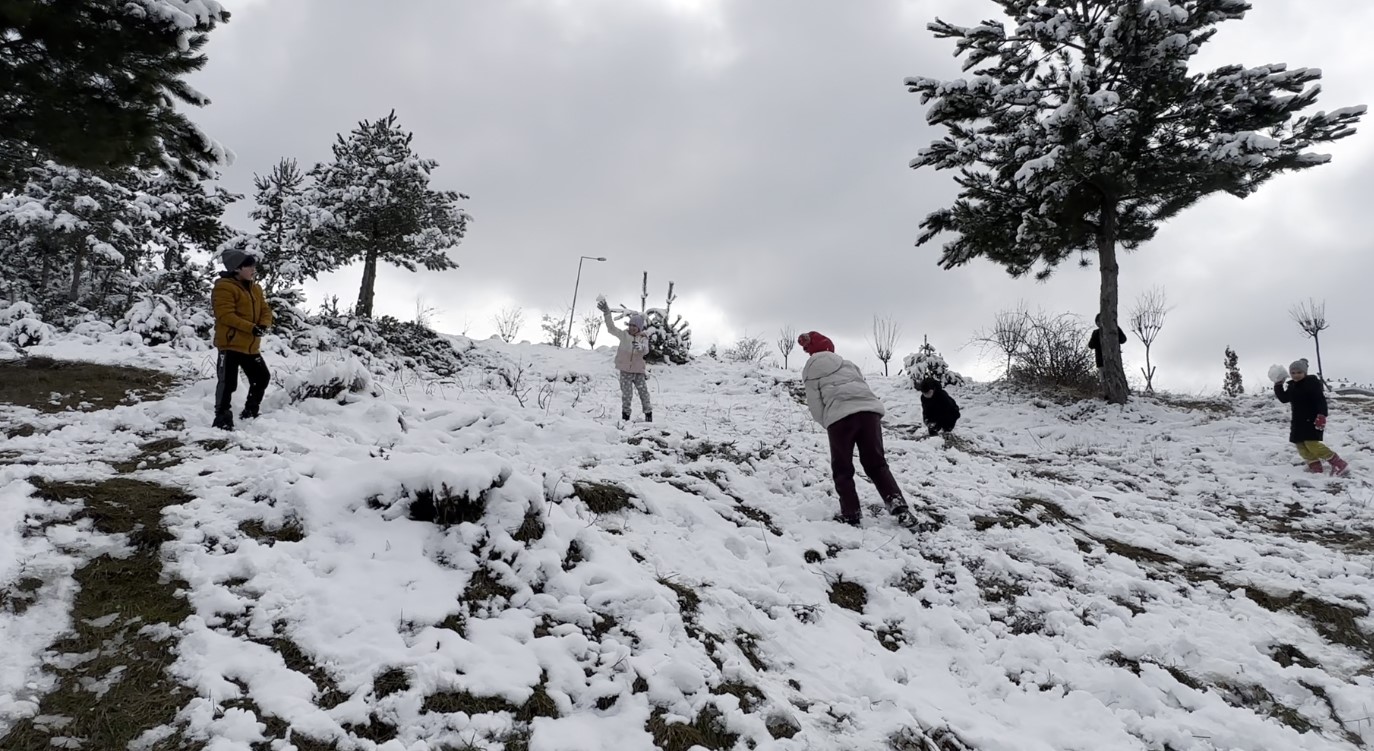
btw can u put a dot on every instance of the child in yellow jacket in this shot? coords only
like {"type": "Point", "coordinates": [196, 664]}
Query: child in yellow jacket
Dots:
{"type": "Point", "coordinates": [242, 317]}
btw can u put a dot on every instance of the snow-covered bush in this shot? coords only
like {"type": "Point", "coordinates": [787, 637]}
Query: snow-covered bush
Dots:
{"type": "Point", "coordinates": [337, 380]}
{"type": "Point", "coordinates": [668, 342]}
{"type": "Point", "coordinates": [383, 344]}
{"type": "Point", "coordinates": [160, 319]}
{"type": "Point", "coordinates": [927, 363]}
{"type": "Point", "coordinates": [463, 490]}
{"type": "Point", "coordinates": [21, 326]}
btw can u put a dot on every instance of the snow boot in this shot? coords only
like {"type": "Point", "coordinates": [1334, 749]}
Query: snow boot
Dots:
{"type": "Point", "coordinates": [224, 420]}
{"type": "Point", "coordinates": [1315, 467]}
{"type": "Point", "coordinates": [648, 417]}
{"type": "Point", "coordinates": [901, 512]}
{"type": "Point", "coordinates": [852, 521]}
{"type": "Point", "coordinates": [249, 413]}
{"type": "Point", "coordinates": [1339, 467]}
{"type": "Point", "coordinates": [625, 416]}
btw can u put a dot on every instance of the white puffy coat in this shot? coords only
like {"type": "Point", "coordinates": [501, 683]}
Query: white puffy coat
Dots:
{"type": "Point", "coordinates": [836, 389]}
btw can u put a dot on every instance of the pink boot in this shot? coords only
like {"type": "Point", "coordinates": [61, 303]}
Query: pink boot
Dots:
{"type": "Point", "coordinates": [1339, 467]}
{"type": "Point", "coordinates": [1315, 467]}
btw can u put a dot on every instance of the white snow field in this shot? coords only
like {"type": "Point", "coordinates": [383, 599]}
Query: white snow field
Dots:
{"type": "Point", "coordinates": [422, 563]}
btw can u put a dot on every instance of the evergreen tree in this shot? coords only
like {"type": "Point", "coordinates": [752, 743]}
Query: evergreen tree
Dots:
{"type": "Point", "coordinates": [1084, 129]}
{"type": "Point", "coordinates": [925, 363]}
{"type": "Point", "coordinates": [96, 84]}
{"type": "Point", "coordinates": [187, 215]}
{"type": "Point", "coordinates": [72, 231]}
{"type": "Point", "coordinates": [283, 220]}
{"type": "Point", "coordinates": [375, 204]}
{"type": "Point", "coordinates": [1233, 385]}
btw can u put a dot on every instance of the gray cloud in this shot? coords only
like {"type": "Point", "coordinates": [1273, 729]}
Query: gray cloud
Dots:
{"type": "Point", "coordinates": [756, 153]}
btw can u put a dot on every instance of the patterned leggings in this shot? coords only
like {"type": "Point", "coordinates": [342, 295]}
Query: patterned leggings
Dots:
{"type": "Point", "coordinates": [629, 383]}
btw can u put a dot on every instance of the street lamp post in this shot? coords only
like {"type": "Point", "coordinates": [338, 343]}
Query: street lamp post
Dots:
{"type": "Point", "coordinates": [572, 312]}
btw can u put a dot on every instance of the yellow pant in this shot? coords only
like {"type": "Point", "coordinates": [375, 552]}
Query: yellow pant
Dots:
{"type": "Point", "coordinates": [1314, 451]}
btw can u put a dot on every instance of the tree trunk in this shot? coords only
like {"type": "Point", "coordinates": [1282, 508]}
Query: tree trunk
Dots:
{"type": "Point", "coordinates": [369, 286]}
{"type": "Point", "coordinates": [1317, 337]}
{"type": "Point", "coordinates": [78, 265]}
{"type": "Point", "coordinates": [1114, 383]}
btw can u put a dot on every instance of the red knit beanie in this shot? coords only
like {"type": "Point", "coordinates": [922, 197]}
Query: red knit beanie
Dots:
{"type": "Point", "coordinates": [812, 342]}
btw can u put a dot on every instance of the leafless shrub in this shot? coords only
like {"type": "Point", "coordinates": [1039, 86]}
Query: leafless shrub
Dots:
{"type": "Point", "coordinates": [1010, 329]}
{"type": "Point", "coordinates": [508, 323]}
{"type": "Point", "coordinates": [591, 329]}
{"type": "Point", "coordinates": [749, 349]}
{"type": "Point", "coordinates": [514, 378]}
{"type": "Point", "coordinates": [425, 313]}
{"type": "Point", "coordinates": [1054, 353]}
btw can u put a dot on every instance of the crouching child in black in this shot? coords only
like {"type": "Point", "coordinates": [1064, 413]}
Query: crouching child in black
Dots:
{"type": "Point", "coordinates": [939, 411]}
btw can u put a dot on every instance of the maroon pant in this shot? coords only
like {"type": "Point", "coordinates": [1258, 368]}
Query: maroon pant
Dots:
{"type": "Point", "coordinates": [864, 429]}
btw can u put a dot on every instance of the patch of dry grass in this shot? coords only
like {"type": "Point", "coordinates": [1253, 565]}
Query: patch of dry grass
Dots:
{"type": "Point", "coordinates": [51, 386]}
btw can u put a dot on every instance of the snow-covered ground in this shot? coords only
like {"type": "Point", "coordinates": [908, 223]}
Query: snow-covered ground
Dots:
{"type": "Point", "coordinates": [1158, 576]}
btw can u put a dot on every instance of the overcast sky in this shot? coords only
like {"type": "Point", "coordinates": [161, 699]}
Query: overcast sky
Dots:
{"type": "Point", "coordinates": [755, 152]}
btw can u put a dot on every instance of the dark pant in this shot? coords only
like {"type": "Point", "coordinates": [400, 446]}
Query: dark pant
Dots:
{"type": "Point", "coordinates": [228, 371]}
{"type": "Point", "coordinates": [864, 429]}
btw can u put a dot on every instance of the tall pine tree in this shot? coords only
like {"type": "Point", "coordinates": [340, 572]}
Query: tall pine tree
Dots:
{"type": "Point", "coordinates": [375, 205]}
{"type": "Point", "coordinates": [96, 84]}
{"type": "Point", "coordinates": [1083, 130]}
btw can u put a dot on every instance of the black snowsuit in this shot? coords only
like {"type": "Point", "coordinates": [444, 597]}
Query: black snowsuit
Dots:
{"type": "Point", "coordinates": [939, 411]}
{"type": "Point", "coordinates": [1308, 398]}
{"type": "Point", "coordinates": [1095, 343]}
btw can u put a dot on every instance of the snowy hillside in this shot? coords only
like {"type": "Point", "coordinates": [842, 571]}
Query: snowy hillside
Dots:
{"type": "Point", "coordinates": [1161, 576]}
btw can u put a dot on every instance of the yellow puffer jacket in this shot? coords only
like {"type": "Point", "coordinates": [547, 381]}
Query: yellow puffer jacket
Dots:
{"type": "Point", "coordinates": [239, 306]}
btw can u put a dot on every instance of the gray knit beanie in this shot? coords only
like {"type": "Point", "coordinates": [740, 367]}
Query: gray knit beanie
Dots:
{"type": "Point", "coordinates": [1298, 366]}
{"type": "Point", "coordinates": [235, 258]}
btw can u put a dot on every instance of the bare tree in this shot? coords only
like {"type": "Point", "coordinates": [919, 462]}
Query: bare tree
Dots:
{"type": "Point", "coordinates": [885, 334]}
{"type": "Point", "coordinates": [591, 328]}
{"type": "Point", "coordinates": [787, 341]}
{"type": "Point", "coordinates": [1147, 318]}
{"type": "Point", "coordinates": [508, 323]}
{"type": "Point", "coordinates": [749, 349]}
{"type": "Point", "coordinates": [1311, 318]}
{"type": "Point", "coordinates": [1010, 329]}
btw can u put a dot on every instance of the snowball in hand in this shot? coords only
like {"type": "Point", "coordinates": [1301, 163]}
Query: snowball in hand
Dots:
{"type": "Point", "coordinates": [1277, 373]}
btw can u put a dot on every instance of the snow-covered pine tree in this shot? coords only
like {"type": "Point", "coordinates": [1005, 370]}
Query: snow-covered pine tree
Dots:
{"type": "Point", "coordinates": [375, 205]}
{"type": "Point", "coordinates": [284, 218]}
{"type": "Point", "coordinates": [1233, 386]}
{"type": "Point", "coordinates": [69, 231]}
{"type": "Point", "coordinates": [184, 221]}
{"type": "Point", "coordinates": [927, 363]}
{"type": "Point", "coordinates": [1083, 130]}
{"type": "Point", "coordinates": [97, 84]}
